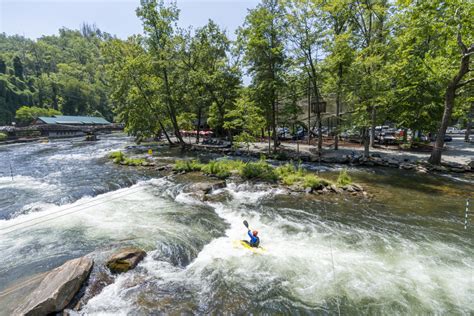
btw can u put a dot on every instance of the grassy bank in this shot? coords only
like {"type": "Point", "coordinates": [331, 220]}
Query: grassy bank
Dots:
{"type": "Point", "coordinates": [287, 174]}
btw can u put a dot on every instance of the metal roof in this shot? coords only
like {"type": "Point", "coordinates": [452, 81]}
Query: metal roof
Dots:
{"type": "Point", "coordinates": [74, 120]}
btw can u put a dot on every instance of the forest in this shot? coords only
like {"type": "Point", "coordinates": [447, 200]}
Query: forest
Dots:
{"type": "Point", "coordinates": [374, 61]}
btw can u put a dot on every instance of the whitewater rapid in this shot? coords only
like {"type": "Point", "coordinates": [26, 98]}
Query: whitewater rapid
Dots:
{"type": "Point", "coordinates": [405, 252]}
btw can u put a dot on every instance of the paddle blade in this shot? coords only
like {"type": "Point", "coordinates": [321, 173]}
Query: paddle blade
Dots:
{"type": "Point", "coordinates": [246, 224]}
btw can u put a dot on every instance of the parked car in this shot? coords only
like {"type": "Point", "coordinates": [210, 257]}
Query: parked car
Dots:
{"type": "Point", "coordinates": [300, 134]}
{"type": "Point", "coordinates": [453, 130]}
{"type": "Point", "coordinates": [388, 137]}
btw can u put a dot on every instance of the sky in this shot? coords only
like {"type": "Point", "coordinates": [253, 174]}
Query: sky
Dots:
{"type": "Point", "coordinates": [34, 18]}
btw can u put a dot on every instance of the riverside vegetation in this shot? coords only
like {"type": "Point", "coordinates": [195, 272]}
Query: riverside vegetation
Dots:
{"type": "Point", "coordinates": [287, 174]}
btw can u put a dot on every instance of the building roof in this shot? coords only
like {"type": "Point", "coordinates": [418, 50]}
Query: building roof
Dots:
{"type": "Point", "coordinates": [74, 120]}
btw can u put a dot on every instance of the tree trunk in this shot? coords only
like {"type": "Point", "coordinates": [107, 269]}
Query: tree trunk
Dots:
{"type": "Point", "coordinates": [455, 83]}
{"type": "Point", "coordinates": [320, 134]}
{"type": "Point", "coordinates": [372, 127]}
{"type": "Point", "coordinates": [309, 112]}
{"type": "Point", "coordinates": [164, 132]}
{"type": "Point", "coordinates": [366, 142]}
{"type": "Point", "coordinates": [198, 126]}
{"type": "Point", "coordinates": [470, 116]}
{"type": "Point", "coordinates": [171, 110]}
{"type": "Point", "coordinates": [435, 157]}
{"type": "Point", "coordinates": [338, 106]}
{"type": "Point", "coordinates": [275, 136]}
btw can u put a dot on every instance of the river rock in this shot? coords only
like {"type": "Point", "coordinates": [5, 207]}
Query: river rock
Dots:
{"type": "Point", "coordinates": [357, 187]}
{"type": "Point", "coordinates": [335, 189]}
{"type": "Point", "coordinates": [349, 188]}
{"type": "Point", "coordinates": [206, 187]}
{"type": "Point", "coordinates": [57, 289]}
{"type": "Point", "coordinates": [125, 259]}
{"type": "Point", "coordinates": [308, 190]}
{"type": "Point", "coordinates": [471, 164]}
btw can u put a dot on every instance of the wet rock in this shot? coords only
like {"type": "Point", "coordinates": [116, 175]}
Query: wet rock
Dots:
{"type": "Point", "coordinates": [308, 190]}
{"type": "Point", "coordinates": [57, 289]}
{"type": "Point", "coordinates": [439, 168]}
{"type": "Point", "coordinates": [296, 188]}
{"type": "Point", "coordinates": [357, 187]}
{"type": "Point", "coordinates": [335, 189]}
{"type": "Point", "coordinates": [457, 170]}
{"type": "Point", "coordinates": [407, 166]}
{"type": "Point", "coordinates": [376, 155]}
{"type": "Point", "coordinates": [206, 187]}
{"type": "Point", "coordinates": [349, 188]}
{"type": "Point", "coordinates": [471, 164]}
{"type": "Point", "coordinates": [125, 259]}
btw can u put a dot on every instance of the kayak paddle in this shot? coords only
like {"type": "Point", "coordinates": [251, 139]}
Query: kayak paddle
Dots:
{"type": "Point", "coordinates": [246, 224]}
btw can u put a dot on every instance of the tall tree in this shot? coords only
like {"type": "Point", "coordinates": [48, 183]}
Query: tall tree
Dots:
{"type": "Point", "coordinates": [306, 32]}
{"type": "Point", "coordinates": [340, 54]}
{"type": "Point", "coordinates": [370, 28]}
{"type": "Point", "coordinates": [159, 23]}
{"type": "Point", "coordinates": [262, 38]}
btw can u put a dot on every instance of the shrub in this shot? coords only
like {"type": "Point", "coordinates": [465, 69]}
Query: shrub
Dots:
{"type": "Point", "coordinates": [187, 165]}
{"type": "Point", "coordinates": [258, 170]}
{"type": "Point", "coordinates": [3, 136]}
{"type": "Point", "coordinates": [117, 156]}
{"type": "Point", "coordinates": [134, 161]}
{"type": "Point", "coordinates": [314, 182]}
{"type": "Point", "coordinates": [290, 179]}
{"type": "Point", "coordinates": [343, 178]}
{"type": "Point", "coordinates": [222, 168]}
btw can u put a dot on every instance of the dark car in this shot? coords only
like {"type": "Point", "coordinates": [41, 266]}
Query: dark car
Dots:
{"type": "Point", "coordinates": [300, 134]}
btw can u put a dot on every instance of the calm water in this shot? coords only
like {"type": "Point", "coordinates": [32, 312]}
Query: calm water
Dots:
{"type": "Point", "coordinates": [405, 251]}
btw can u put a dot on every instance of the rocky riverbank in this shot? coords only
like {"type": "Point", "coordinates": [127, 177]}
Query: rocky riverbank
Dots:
{"type": "Point", "coordinates": [333, 157]}
{"type": "Point", "coordinates": [69, 286]}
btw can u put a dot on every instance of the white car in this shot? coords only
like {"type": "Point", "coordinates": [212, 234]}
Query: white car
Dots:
{"type": "Point", "coordinates": [453, 130]}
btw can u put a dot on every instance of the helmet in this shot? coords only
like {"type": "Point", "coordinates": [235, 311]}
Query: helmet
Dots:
{"type": "Point", "coordinates": [255, 233]}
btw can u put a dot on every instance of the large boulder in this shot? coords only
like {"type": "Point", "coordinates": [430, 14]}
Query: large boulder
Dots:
{"type": "Point", "coordinates": [125, 259]}
{"type": "Point", "coordinates": [57, 289]}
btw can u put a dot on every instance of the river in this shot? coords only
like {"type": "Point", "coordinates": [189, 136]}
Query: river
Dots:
{"type": "Point", "coordinates": [403, 252]}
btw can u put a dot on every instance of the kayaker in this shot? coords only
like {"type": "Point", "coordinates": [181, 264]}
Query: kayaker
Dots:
{"type": "Point", "coordinates": [254, 240]}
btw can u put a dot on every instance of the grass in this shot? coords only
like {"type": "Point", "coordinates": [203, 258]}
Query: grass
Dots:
{"type": "Point", "coordinates": [258, 171]}
{"type": "Point", "coordinates": [222, 168]}
{"type": "Point", "coordinates": [119, 158]}
{"type": "Point", "coordinates": [287, 174]}
{"type": "Point", "coordinates": [343, 178]}
{"type": "Point", "coordinates": [187, 165]}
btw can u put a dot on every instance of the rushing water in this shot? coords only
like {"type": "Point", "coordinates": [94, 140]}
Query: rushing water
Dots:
{"type": "Point", "coordinates": [403, 252]}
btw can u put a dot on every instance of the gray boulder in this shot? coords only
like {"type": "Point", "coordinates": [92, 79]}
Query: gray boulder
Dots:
{"type": "Point", "coordinates": [57, 289]}
{"type": "Point", "coordinates": [125, 259]}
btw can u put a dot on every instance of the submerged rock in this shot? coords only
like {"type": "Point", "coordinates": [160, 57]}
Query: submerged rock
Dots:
{"type": "Point", "coordinates": [125, 259]}
{"type": "Point", "coordinates": [57, 289]}
{"type": "Point", "coordinates": [206, 187]}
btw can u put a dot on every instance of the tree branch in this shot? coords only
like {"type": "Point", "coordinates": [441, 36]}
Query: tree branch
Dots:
{"type": "Point", "coordinates": [461, 84]}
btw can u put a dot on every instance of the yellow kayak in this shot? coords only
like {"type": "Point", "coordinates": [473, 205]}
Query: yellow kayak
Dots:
{"type": "Point", "coordinates": [246, 245]}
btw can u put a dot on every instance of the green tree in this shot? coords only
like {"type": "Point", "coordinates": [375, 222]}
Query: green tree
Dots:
{"type": "Point", "coordinates": [25, 115]}
{"type": "Point", "coordinates": [262, 39]}
{"type": "Point", "coordinates": [18, 67]}
{"type": "Point", "coordinates": [245, 119]}
{"type": "Point", "coordinates": [159, 23]}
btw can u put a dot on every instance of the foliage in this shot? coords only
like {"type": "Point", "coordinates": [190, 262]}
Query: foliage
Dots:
{"type": "Point", "coordinates": [258, 171]}
{"type": "Point", "coordinates": [343, 178]}
{"type": "Point", "coordinates": [245, 120]}
{"type": "Point", "coordinates": [222, 168]}
{"type": "Point", "coordinates": [63, 72]}
{"type": "Point", "coordinates": [117, 156]}
{"type": "Point", "coordinates": [187, 165]}
{"type": "Point", "coordinates": [26, 115]}
{"type": "Point", "coordinates": [3, 136]}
